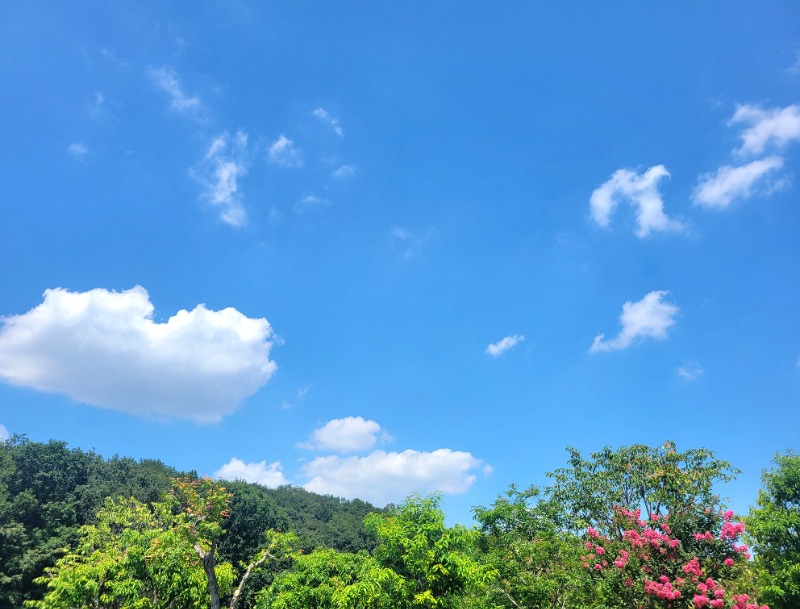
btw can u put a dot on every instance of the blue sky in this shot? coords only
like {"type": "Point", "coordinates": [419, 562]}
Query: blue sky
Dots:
{"type": "Point", "coordinates": [376, 248]}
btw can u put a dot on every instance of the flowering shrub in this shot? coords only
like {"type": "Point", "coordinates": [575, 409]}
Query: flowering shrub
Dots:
{"type": "Point", "coordinates": [653, 565]}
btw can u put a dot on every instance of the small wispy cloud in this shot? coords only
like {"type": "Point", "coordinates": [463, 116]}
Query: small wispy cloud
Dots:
{"type": "Point", "coordinates": [411, 243]}
{"type": "Point", "coordinates": [323, 115]}
{"type": "Point", "coordinates": [649, 317]}
{"type": "Point", "coordinates": [283, 153]}
{"type": "Point", "coordinates": [218, 173]}
{"type": "Point", "coordinates": [166, 79]}
{"type": "Point", "coordinates": [311, 202]}
{"type": "Point", "coordinates": [3, 433]}
{"type": "Point", "coordinates": [345, 171]}
{"type": "Point", "coordinates": [504, 344]}
{"type": "Point", "coordinates": [718, 190]}
{"type": "Point", "coordinates": [641, 191]}
{"type": "Point", "coordinates": [775, 127]}
{"type": "Point", "coordinates": [78, 150]}
{"type": "Point", "coordinates": [689, 371]}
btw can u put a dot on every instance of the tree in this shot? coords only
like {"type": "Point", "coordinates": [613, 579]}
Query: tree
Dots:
{"type": "Point", "coordinates": [136, 557]}
{"type": "Point", "coordinates": [774, 527]}
{"type": "Point", "coordinates": [657, 480]}
{"type": "Point", "coordinates": [437, 563]}
{"type": "Point", "coordinates": [526, 539]}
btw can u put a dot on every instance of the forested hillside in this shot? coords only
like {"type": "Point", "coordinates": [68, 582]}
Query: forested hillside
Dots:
{"type": "Point", "coordinates": [48, 491]}
{"type": "Point", "coordinates": [636, 526]}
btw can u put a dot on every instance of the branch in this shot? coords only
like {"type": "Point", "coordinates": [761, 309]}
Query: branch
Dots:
{"type": "Point", "coordinates": [246, 575]}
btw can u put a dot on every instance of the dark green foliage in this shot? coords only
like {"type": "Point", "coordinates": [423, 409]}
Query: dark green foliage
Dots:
{"type": "Point", "coordinates": [774, 526]}
{"type": "Point", "coordinates": [323, 521]}
{"type": "Point", "coordinates": [48, 491]}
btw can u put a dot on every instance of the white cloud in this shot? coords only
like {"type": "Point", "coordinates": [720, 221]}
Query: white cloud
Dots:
{"type": "Point", "coordinates": [641, 191]}
{"type": "Point", "coordinates": [103, 348]}
{"type": "Point", "coordinates": [345, 171]}
{"type": "Point", "coordinates": [503, 345]}
{"type": "Point", "coordinates": [690, 371]}
{"type": "Point", "coordinates": [310, 202]}
{"type": "Point", "coordinates": [650, 317]}
{"type": "Point", "coordinates": [78, 150]}
{"type": "Point", "coordinates": [347, 435]}
{"type": "Point", "coordinates": [329, 120]}
{"type": "Point", "coordinates": [283, 153]}
{"type": "Point", "coordinates": [730, 183]}
{"type": "Point", "coordinates": [263, 473]}
{"type": "Point", "coordinates": [382, 477]}
{"type": "Point", "coordinates": [166, 79]}
{"type": "Point", "coordinates": [774, 126]}
{"type": "Point", "coordinates": [411, 243]}
{"type": "Point", "coordinates": [219, 172]}
{"type": "Point", "coordinates": [3, 433]}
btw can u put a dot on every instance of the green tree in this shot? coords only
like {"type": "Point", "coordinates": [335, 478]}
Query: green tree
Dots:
{"type": "Point", "coordinates": [437, 563]}
{"type": "Point", "coordinates": [657, 480]}
{"type": "Point", "coordinates": [327, 579]}
{"type": "Point", "coordinates": [135, 557]}
{"type": "Point", "coordinates": [774, 527]}
{"type": "Point", "coordinates": [526, 539]}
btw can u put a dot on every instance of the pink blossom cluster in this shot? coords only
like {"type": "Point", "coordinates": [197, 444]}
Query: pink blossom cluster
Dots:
{"type": "Point", "coordinates": [710, 595]}
{"type": "Point", "coordinates": [731, 530]}
{"type": "Point", "coordinates": [740, 602]}
{"type": "Point", "coordinates": [662, 589]}
{"type": "Point", "coordinates": [707, 536]}
{"type": "Point", "coordinates": [649, 536]}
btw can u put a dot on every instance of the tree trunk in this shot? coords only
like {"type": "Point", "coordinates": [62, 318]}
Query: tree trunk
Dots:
{"type": "Point", "coordinates": [209, 562]}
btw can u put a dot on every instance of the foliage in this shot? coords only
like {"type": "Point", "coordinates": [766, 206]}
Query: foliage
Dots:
{"type": "Point", "coordinates": [136, 557]}
{"type": "Point", "coordinates": [437, 563]}
{"type": "Point", "coordinates": [536, 558]}
{"type": "Point", "coordinates": [774, 527]}
{"type": "Point", "coordinates": [651, 566]}
{"type": "Point", "coordinates": [657, 480]}
{"type": "Point", "coordinates": [334, 580]}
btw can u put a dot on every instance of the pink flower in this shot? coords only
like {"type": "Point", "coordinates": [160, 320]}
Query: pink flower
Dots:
{"type": "Point", "coordinates": [700, 601]}
{"type": "Point", "coordinates": [600, 551]}
{"type": "Point", "coordinates": [728, 562]}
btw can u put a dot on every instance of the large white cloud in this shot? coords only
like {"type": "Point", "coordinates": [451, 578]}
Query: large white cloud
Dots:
{"type": "Point", "coordinates": [103, 348]}
{"type": "Point", "coordinates": [641, 191]}
{"type": "Point", "coordinates": [382, 477]}
{"type": "Point", "coordinates": [503, 345]}
{"type": "Point", "coordinates": [166, 79]}
{"type": "Point", "coordinates": [650, 317]}
{"type": "Point", "coordinates": [263, 473]}
{"type": "Point", "coordinates": [729, 183]}
{"type": "Point", "coordinates": [346, 435]}
{"type": "Point", "coordinates": [218, 173]}
{"type": "Point", "coordinates": [773, 126]}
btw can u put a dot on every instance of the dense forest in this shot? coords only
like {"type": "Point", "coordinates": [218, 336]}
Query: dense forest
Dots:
{"type": "Point", "coordinates": [631, 527]}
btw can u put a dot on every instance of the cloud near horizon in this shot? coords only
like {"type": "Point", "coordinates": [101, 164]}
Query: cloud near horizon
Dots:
{"type": "Point", "coordinates": [382, 477]}
{"type": "Point", "coordinates": [641, 191]}
{"type": "Point", "coordinates": [650, 317]}
{"type": "Point", "coordinates": [263, 473]}
{"type": "Point", "coordinates": [346, 435]}
{"type": "Point", "coordinates": [103, 348]}
{"type": "Point", "coordinates": [3, 433]}
{"type": "Point", "coordinates": [504, 344]}
{"type": "Point", "coordinates": [728, 184]}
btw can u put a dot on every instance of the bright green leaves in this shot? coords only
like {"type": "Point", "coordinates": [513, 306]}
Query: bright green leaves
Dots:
{"type": "Point", "coordinates": [774, 525]}
{"type": "Point", "coordinates": [141, 556]}
{"type": "Point", "coordinates": [419, 562]}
